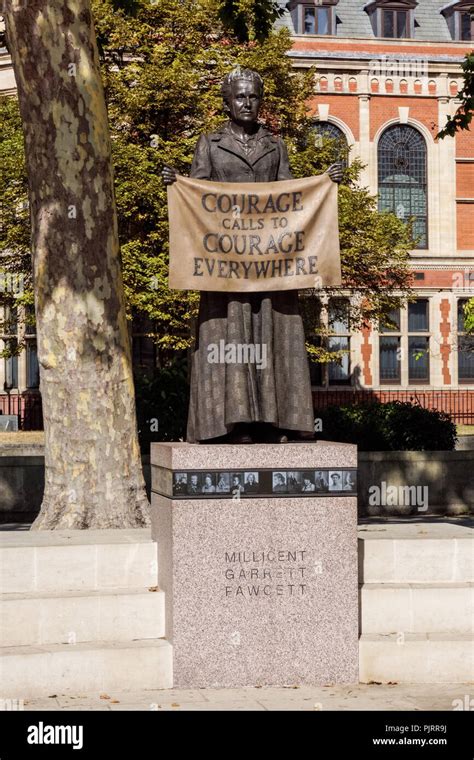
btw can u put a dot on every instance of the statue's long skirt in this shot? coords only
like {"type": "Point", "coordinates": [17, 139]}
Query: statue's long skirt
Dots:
{"type": "Point", "coordinates": [225, 392]}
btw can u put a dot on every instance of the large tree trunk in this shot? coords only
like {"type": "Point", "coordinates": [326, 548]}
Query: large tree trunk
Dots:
{"type": "Point", "coordinates": [93, 468]}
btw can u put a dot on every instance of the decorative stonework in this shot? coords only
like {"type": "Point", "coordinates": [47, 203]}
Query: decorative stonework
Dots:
{"type": "Point", "coordinates": [445, 330]}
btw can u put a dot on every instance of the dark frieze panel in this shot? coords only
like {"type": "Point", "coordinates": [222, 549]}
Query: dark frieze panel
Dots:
{"type": "Point", "coordinates": [260, 483]}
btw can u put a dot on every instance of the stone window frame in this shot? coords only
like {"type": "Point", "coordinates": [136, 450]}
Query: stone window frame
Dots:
{"type": "Point", "coordinates": [389, 332]}
{"type": "Point", "coordinates": [9, 335]}
{"type": "Point", "coordinates": [346, 335]}
{"type": "Point", "coordinates": [453, 14]}
{"type": "Point", "coordinates": [425, 334]}
{"type": "Point", "coordinates": [403, 335]}
{"type": "Point", "coordinates": [297, 10]}
{"type": "Point", "coordinates": [422, 158]}
{"type": "Point", "coordinates": [376, 11]}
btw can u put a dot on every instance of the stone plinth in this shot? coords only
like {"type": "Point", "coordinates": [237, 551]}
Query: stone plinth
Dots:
{"type": "Point", "coordinates": [257, 555]}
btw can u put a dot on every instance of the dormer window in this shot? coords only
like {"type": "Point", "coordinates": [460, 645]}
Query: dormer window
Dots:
{"type": "Point", "coordinates": [393, 19]}
{"type": "Point", "coordinates": [314, 16]}
{"type": "Point", "coordinates": [460, 20]}
{"type": "Point", "coordinates": [317, 20]}
{"type": "Point", "coordinates": [395, 23]}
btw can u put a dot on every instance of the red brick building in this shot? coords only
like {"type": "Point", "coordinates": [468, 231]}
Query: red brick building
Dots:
{"type": "Point", "coordinates": [388, 73]}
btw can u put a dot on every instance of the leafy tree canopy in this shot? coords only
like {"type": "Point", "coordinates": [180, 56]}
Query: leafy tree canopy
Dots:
{"type": "Point", "coordinates": [463, 116]}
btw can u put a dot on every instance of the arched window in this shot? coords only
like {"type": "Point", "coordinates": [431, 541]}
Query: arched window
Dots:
{"type": "Point", "coordinates": [402, 177]}
{"type": "Point", "coordinates": [331, 131]}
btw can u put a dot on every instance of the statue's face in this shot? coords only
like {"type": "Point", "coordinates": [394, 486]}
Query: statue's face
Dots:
{"type": "Point", "coordinates": [244, 103]}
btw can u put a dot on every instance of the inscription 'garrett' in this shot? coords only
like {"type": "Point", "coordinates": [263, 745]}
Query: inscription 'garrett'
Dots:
{"type": "Point", "coordinates": [284, 577]}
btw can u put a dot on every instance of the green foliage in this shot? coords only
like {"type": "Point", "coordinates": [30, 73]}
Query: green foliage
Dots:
{"type": "Point", "coordinates": [469, 317]}
{"type": "Point", "coordinates": [15, 263]}
{"type": "Point", "coordinates": [250, 19]}
{"type": "Point", "coordinates": [14, 210]}
{"type": "Point", "coordinates": [163, 62]}
{"type": "Point", "coordinates": [162, 402]}
{"type": "Point", "coordinates": [463, 116]}
{"type": "Point", "coordinates": [394, 426]}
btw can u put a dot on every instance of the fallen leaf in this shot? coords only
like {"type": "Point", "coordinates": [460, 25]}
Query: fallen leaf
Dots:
{"type": "Point", "coordinates": [175, 704]}
{"type": "Point", "coordinates": [153, 588]}
{"type": "Point", "coordinates": [104, 696]}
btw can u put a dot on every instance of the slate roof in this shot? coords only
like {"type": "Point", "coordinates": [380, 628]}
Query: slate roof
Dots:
{"type": "Point", "coordinates": [430, 24]}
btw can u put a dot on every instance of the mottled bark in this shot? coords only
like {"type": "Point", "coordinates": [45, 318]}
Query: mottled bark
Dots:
{"type": "Point", "coordinates": [92, 457]}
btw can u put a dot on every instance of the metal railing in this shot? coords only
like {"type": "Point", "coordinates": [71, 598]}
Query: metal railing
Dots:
{"type": "Point", "coordinates": [459, 404]}
{"type": "Point", "coordinates": [27, 407]}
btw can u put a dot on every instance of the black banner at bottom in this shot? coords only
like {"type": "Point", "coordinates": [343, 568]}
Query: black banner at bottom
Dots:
{"type": "Point", "coordinates": [77, 734]}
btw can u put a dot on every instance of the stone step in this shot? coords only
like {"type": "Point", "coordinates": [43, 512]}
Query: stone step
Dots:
{"type": "Point", "coordinates": [85, 668]}
{"type": "Point", "coordinates": [78, 560]}
{"type": "Point", "coordinates": [416, 560]}
{"type": "Point", "coordinates": [417, 607]}
{"type": "Point", "coordinates": [79, 616]}
{"type": "Point", "coordinates": [416, 658]}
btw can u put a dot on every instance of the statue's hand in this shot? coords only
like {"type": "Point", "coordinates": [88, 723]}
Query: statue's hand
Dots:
{"type": "Point", "coordinates": [168, 175]}
{"type": "Point", "coordinates": [335, 172]}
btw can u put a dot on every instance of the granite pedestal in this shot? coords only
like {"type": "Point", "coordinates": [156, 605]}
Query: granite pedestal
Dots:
{"type": "Point", "coordinates": [257, 556]}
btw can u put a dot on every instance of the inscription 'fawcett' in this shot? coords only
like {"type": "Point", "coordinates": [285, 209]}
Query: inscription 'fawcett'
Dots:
{"type": "Point", "coordinates": [280, 590]}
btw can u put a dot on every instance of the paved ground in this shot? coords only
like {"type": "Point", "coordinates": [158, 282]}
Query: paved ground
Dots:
{"type": "Point", "coordinates": [362, 697]}
{"type": "Point", "coordinates": [444, 526]}
{"type": "Point", "coordinates": [37, 436]}
{"type": "Point", "coordinates": [21, 437]}
{"type": "Point", "coordinates": [431, 526]}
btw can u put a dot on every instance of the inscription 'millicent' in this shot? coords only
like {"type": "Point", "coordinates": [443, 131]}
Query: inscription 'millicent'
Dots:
{"type": "Point", "coordinates": [271, 555]}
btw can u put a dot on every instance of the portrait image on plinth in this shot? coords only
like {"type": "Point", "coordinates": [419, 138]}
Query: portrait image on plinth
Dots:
{"type": "Point", "coordinates": [180, 484]}
{"type": "Point", "coordinates": [208, 485]}
{"type": "Point", "coordinates": [237, 482]}
{"type": "Point", "coordinates": [308, 482]}
{"type": "Point", "coordinates": [335, 481]}
{"type": "Point", "coordinates": [321, 482]}
{"type": "Point", "coordinates": [294, 482]}
{"type": "Point", "coordinates": [251, 482]}
{"type": "Point", "coordinates": [223, 483]}
{"type": "Point", "coordinates": [279, 482]}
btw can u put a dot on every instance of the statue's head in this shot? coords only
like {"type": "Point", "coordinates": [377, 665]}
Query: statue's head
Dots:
{"type": "Point", "coordinates": [242, 92]}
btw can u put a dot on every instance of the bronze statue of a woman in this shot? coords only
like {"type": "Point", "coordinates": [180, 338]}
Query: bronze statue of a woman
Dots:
{"type": "Point", "coordinates": [243, 402]}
